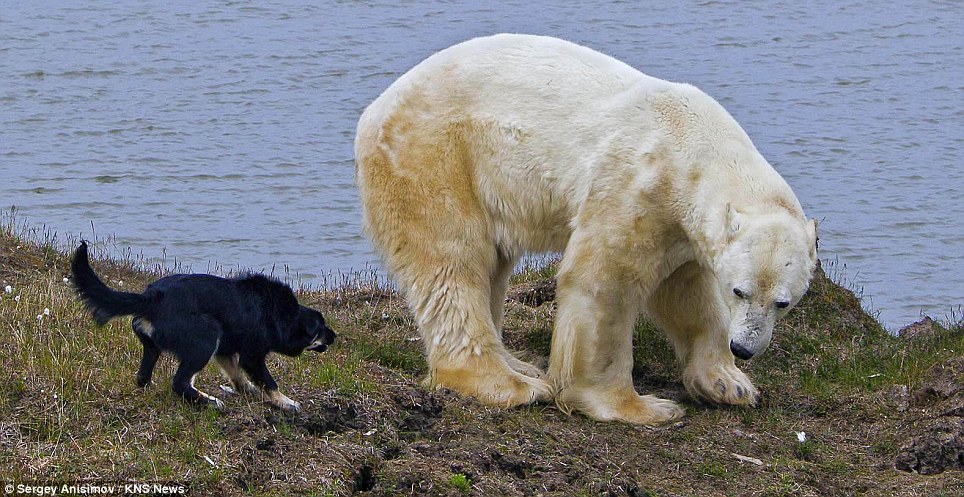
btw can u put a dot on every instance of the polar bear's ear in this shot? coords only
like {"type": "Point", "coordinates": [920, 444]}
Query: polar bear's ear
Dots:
{"type": "Point", "coordinates": [733, 221]}
{"type": "Point", "coordinates": [813, 238]}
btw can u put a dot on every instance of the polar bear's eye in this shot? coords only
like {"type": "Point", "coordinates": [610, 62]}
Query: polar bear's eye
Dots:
{"type": "Point", "coordinates": [739, 293]}
{"type": "Point", "coordinates": [782, 304]}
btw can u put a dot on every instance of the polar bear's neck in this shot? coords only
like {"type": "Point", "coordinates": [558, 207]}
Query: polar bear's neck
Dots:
{"type": "Point", "coordinates": [716, 166]}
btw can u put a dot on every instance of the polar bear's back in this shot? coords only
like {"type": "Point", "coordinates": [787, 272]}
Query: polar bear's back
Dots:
{"type": "Point", "coordinates": [526, 124]}
{"type": "Point", "coordinates": [542, 109]}
{"type": "Point", "coordinates": [515, 78]}
{"type": "Point", "coordinates": [544, 64]}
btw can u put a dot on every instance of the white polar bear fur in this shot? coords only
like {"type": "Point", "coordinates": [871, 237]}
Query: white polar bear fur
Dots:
{"type": "Point", "coordinates": [510, 144]}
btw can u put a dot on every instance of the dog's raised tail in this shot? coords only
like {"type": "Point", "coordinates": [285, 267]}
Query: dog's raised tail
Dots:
{"type": "Point", "coordinates": [101, 300]}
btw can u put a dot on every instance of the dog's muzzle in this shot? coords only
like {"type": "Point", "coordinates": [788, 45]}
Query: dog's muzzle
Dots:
{"type": "Point", "coordinates": [318, 346]}
{"type": "Point", "coordinates": [322, 341]}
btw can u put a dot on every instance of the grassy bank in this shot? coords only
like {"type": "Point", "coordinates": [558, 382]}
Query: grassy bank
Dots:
{"type": "Point", "coordinates": [869, 402]}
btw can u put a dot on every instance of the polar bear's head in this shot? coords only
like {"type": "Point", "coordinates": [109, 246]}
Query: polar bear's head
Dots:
{"type": "Point", "coordinates": [763, 269]}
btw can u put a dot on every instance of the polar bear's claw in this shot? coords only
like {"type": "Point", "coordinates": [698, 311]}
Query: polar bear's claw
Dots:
{"type": "Point", "coordinates": [724, 384]}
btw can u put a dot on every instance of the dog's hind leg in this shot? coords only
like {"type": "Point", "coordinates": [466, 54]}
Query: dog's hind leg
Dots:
{"type": "Point", "coordinates": [143, 330]}
{"type": "Point", "coordinates": [183, 385]}
{"type": "Point", "coordinates": [233, 373]}
{"type": "Point", "coordinates": [258, 371]}
{"type": "Point", "coordinates": [196, 345]}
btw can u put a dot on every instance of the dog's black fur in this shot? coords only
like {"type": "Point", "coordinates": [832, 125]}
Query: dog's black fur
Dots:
{"type": "Point", "coordinates": [197, 317]}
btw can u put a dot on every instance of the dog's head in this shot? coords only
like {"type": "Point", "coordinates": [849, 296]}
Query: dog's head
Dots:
{"type": "Point", "coordinates": [309, 332]}
{"type": "Point", "coordinates": [311, 325]}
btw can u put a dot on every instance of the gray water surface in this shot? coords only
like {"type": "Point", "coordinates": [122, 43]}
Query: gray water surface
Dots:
{"type": "Point", "coordinates": [221, 133]}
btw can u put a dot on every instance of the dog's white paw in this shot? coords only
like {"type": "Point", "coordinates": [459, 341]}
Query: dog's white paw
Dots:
{"type": "Point", "coordinates": [281, 401]}
{"type": "Point", "coordinates": [291, 408]}
{"type": "Point", "coordinates": [214, 402]}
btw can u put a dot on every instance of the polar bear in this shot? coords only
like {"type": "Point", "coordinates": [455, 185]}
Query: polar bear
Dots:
{"type": "Point", "coordinates": [512, 144]}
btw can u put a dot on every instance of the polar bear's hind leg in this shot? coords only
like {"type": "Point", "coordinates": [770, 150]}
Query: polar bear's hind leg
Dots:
{"type": "Point", "coordinates": [499, 286]}
{"type": "Point", "coordinates": [433, 235]}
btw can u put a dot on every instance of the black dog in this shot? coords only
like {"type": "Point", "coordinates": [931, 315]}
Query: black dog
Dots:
{"type": "Point", "coordinates": [196, 317]}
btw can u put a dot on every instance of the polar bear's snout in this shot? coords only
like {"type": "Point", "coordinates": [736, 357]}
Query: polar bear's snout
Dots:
{"type": "Point", "coordinates": [747, 346]}
{"type": "Point", "coordinates": [740, 351]}
{"type": "Point", "coordinates": [751, 336]}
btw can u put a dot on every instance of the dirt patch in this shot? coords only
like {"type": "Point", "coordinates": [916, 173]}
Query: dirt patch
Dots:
{"type": "Point", "coordinates": [365, 479]}
{"type": "Point", "coordinates": [422, 410]}
{"type": "Point", "coordinates": [329, 418]}
{"type": "Point", "coordinates": [938, 444]}
{"type": "Point", "coordinates": [509, 464]}
{"type": "Point", "coordinates": [945, 382]}
{"type": "Point", "coordinates": [924, 327]}
{"type": "Point", "coordinates": [534, 293]}
{"type": "Point", "coordinates": [940, 449]}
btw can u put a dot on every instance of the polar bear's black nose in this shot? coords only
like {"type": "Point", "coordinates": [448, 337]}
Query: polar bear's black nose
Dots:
{"type": "Point", "coordinates": [740, 351]}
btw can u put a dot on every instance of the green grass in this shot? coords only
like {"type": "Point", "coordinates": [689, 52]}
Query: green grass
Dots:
{"type": "Point", "coordinates": [536, 269]}
{"type": "Point", "coordinates": [711, 468]}
{"type": "Point", "coordinates": [339, 378]}
{"type": "Point", "coordinates": [830, 349]}
{"type": "Point", "coordinates": [392, 352]}
{"type": "Point", "coordinates": [460, 482]}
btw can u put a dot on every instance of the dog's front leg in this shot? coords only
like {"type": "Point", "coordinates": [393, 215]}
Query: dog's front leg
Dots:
{"type": "Point", "coordinates": [239, 382]}
{"type": "Point", "coordinates": [258, 372]}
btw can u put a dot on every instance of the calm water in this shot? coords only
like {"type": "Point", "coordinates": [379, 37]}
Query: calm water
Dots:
{"type": "Point", "coordinates": [222, 133]}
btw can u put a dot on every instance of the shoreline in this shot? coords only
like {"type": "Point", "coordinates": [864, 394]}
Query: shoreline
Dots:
{"type": "Point", "coordinates": [373, 275]}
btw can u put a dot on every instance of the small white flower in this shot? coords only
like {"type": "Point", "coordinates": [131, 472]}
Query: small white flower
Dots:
{"type": "Point", "coordinates": [8, 289]}
{"type": "Point", "coordinates": [120, 283]}
{"type": "Point", "coordinates": [16, 299]}
{"type": "Point", "coordinates": [40, 317]}
{"type": "Point", "coordinates": [46, 311]}
{"type": "Point", "coordinates": [66, 281]}
{"type": "Point", "coordinates": [55, 396]}
{"type": "Point", "coordinates": [801, 436]}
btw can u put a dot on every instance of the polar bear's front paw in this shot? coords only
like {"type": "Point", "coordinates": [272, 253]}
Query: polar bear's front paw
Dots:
{"type": "Point", "coordinates": [721, 385]}
{"type": "Point", "coordinates": [619, 405]}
